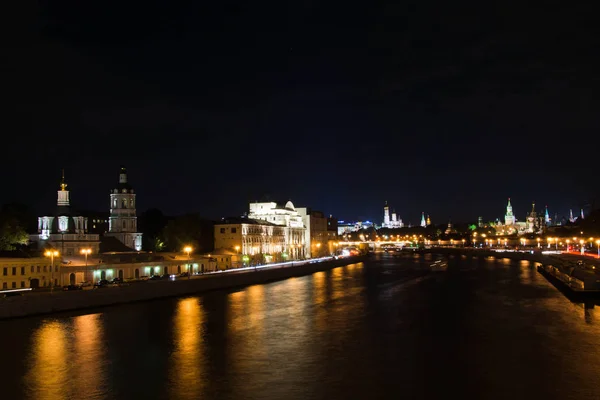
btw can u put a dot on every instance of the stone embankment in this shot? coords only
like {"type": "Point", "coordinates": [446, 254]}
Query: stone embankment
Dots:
{"type": "Point", "coordinates": [58, 301]}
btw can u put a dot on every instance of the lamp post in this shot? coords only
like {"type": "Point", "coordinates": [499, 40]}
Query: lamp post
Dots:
{"type": "Point", "coordinates": [237, 251]}
{"type": "Point", "coordinates": [538, 240]}
{"type": "Point", "coordinates": [582, 247]}
{"type": "Point", "coordinates": [51, 254]}
{"type": "Point", "coordinates": [86, 252]}
{"type": "Point", "coordinates": [188, 250]}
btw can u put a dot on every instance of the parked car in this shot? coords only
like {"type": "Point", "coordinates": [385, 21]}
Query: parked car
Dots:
{"type": "Point", "coordinates": [184, 274]}
{"type": "Point", "coordinates": [72, 287]}
{"type": "Point", "coordinates": [12, 294]}
{"type": "Point", "coordinates": [117, 280]}
{"type": "Point", "coordinates": [101, 283]}
{"type": "Point", "coordinates": [85, 284]}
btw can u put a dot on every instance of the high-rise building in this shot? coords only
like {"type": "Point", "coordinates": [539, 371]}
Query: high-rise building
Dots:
{"type": "Point", "coordinates": [122, 222]}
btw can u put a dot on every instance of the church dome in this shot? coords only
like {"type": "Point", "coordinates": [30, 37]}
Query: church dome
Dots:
{"type": "Point", "coordinates": [290, 206]}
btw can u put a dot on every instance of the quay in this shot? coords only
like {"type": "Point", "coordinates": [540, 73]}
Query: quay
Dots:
{"type": "Point", "coordinates": [60, 301]}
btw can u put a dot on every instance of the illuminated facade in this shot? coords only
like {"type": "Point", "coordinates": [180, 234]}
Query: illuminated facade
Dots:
{"type": "Point", "coordinates": [260, 241]}
{"type": "Point", "coordinates": [394, 222]}
{"type": "Point", "coordinates": [65, 231]}
{"type": "Point", "coordinates": [21, 273]}
{"type": "Point", "coordinates": [122, 222]}
{"type": "Point", "coordinates": [509, 218]}
{"type": "Point", "coordinates": [423, 221]}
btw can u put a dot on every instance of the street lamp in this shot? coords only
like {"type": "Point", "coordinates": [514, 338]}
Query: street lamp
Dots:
{"type": "Point", "coordinates": [538, 240]}
{"type": "Point", "coordinates": [51, 254]}
{"type": "Point", "coordinates": [582, 247]}
{"type": "Point", "coordinates": [86, 252]}
{"type": "Point", "coordinates": [188, 250]}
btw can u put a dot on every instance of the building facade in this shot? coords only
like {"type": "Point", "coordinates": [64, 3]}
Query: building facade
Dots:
{"type": "Point", "coordinates": [65, 230]}
{"type": "Point", "coordinates": [122, 222]}
{"type": "Point", "coordinates": [34, 272]}
{"type": "Point", "coordinates": [316, 236]}
{"type": "Point", "coordinates": [394, 222]}
{"type": "Point", "coordinates": [260, 241]}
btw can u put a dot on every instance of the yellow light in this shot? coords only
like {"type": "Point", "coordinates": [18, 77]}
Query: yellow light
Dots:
{"type": "Point", "coordinates": [187, 249]}
{"type": "Point", "coordinates": [85, 251]}
{"type": "Point", "coordinates": [51, 253]}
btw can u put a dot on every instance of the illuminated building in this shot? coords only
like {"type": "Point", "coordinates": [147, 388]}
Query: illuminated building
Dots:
{"type": "Point", "coordinates": [428, 220]}
{"type": "Point", "coordinates": [534, 223]}
{"type": "Point", "coordinates": [283, 215]}
{"type": "Point", "coordinates": [547, 220]}
{"type": "Point", "coordinates": [20, 273]}
{"type": "Point", "coordinates": [509, 218]}
{"type": "Point", "coordinates": [64, 230]}
{"type": "Point", "coordinates": [571, 218]}
{"type": "Point", "coordinates": [394, 222]}
{"type": "Point", "coordinates": [260, 241]}
{"type": "Point", "coordinates": [423, 222]}
{"type": "Point", "coordinates": [122, 222]}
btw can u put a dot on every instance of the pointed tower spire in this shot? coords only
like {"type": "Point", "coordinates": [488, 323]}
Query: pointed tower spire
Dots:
{"type": "Point", "coordinates": [423, 222]}
{"type": "Point", "coordinates": [582, 213]}
{"type": "Point", "coordinates": [571, 218]}
{"type": "Point", "coordinates": [547, 216]}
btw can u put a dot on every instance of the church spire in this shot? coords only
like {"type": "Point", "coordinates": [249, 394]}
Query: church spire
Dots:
{"type": "Point", "coordinates": [63, 193]}
{"type": "Point", "coordinates": [423, 222]}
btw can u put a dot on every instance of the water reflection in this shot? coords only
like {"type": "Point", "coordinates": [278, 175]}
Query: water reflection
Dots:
{"type": "Point", "coordinates": [48, 375]}
{"type": "Point", "coordinates": [88, 335]}
{"type": "Point", "coordinates": [187, 369]}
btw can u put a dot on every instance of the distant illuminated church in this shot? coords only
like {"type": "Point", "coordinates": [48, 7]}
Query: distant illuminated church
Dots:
{"type": "Point", "coordinates": [532, 224]}
{"type": "Point", "coordinates": [394, 222]}
{"type": "Point", "coordinates": [123, 216]}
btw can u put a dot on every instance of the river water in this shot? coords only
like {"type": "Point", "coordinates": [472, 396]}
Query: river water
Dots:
{"type": "Point", "coordinates": [484, 329]}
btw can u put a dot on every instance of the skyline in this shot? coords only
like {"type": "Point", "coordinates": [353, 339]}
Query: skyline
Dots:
{"type": "Point", "coordinates": [405, 216]}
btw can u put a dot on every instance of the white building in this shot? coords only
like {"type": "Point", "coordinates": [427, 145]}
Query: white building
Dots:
{"type": "Point", "coordinates": [64, 230]}
{"type": "Point", "coordinates": [259, 241]}
{"type": "Point", "coordinates": [282, 215]}
{"type": "Point", "coordinates": [122, 222]}
{"type": "Point", "coordinates": [394, 222]}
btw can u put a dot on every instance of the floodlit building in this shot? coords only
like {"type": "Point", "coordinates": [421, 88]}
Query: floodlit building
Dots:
{"type": "Point", "coordinates": [123, 216]}
{"type": "Point", "coordinates": [394, 222]}
{"type": "Point", "coordinates": [260, 241]}
{"type": "Point", "coordinates": [28, 272]}
{"type": "Point", "coordinates": [65, 230]}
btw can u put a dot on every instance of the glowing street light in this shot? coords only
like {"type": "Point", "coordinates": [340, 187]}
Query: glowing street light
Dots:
{"type": "Point", "coordinates": [538, 240]}
{"type": "Point", "coordinates": [188, 250]}
{"type": "Point", "coordinates": [51, 254]}
{"type": "Point", "coordinates": [86, 253]}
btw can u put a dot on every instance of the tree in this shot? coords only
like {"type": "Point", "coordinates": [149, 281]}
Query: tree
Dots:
{"type": "Point", "coordinates": [152, 223]}
{"type": "Point", "coordinates": [12, 233]}
{"type": "Point", "coordinates": [189, 230]}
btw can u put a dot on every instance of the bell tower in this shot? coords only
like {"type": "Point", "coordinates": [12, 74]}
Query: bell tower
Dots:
{"type": "Point", "coordinates": [123, 217]}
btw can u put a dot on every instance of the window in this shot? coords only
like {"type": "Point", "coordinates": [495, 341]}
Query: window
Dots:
{"type": "Point", "coordinates": [4, 271]}
{"type": "Point", "coordinates": [56, 268]}
{"type": "Point", "coordinates": [22, 270]}
{"type": "Point", "coordinates": [14, 285]}
{"type": "Point", "coordinates": [115, 203]}
{"type": "Point", "coordinates": [124, 224]}
{"type": "Point", "coordinates": [131, 203]}
{"type": "Point", "coordinates": [124, 203]}
{"type": "Point", "coordinates": [32, 269]}
{"type": "Point", "coordinates": [4, 285]}
{"type": "Point", "coordinates": [39, 269]}
{"type": "Point", "coordinates": [22, 284]}
{"type": "Point", "coordinates": [233, 230]}
{"type": "Point", "coordinates": [222, 230]}
{"type": "Point", "coordinates": [45, 269]}
{"type": "Point", "coordinates": [14, 270]}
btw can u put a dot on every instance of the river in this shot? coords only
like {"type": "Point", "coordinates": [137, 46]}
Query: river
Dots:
{"type": "Point", "coordinates": [485, 329]}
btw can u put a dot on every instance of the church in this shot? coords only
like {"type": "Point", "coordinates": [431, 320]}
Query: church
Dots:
{"type": "Point", "coordinates": [532, 224]}
{"type": "Point", "coordinates": [67, 231]}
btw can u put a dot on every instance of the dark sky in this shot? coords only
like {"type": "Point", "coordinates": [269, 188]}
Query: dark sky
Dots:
{"type": "Point", "coordinates": [435, 106]}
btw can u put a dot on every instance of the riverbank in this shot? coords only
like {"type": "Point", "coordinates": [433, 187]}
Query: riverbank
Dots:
{"type": "Point", "coordinates": [59, 301]}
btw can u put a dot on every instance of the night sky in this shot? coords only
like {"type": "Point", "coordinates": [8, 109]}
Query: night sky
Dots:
{"type": "Point", "coordinates": [443, 107]}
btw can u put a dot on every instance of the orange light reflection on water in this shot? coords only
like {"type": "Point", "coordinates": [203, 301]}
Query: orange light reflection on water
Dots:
{"type": "Point", "coordinates": [186, 372]}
